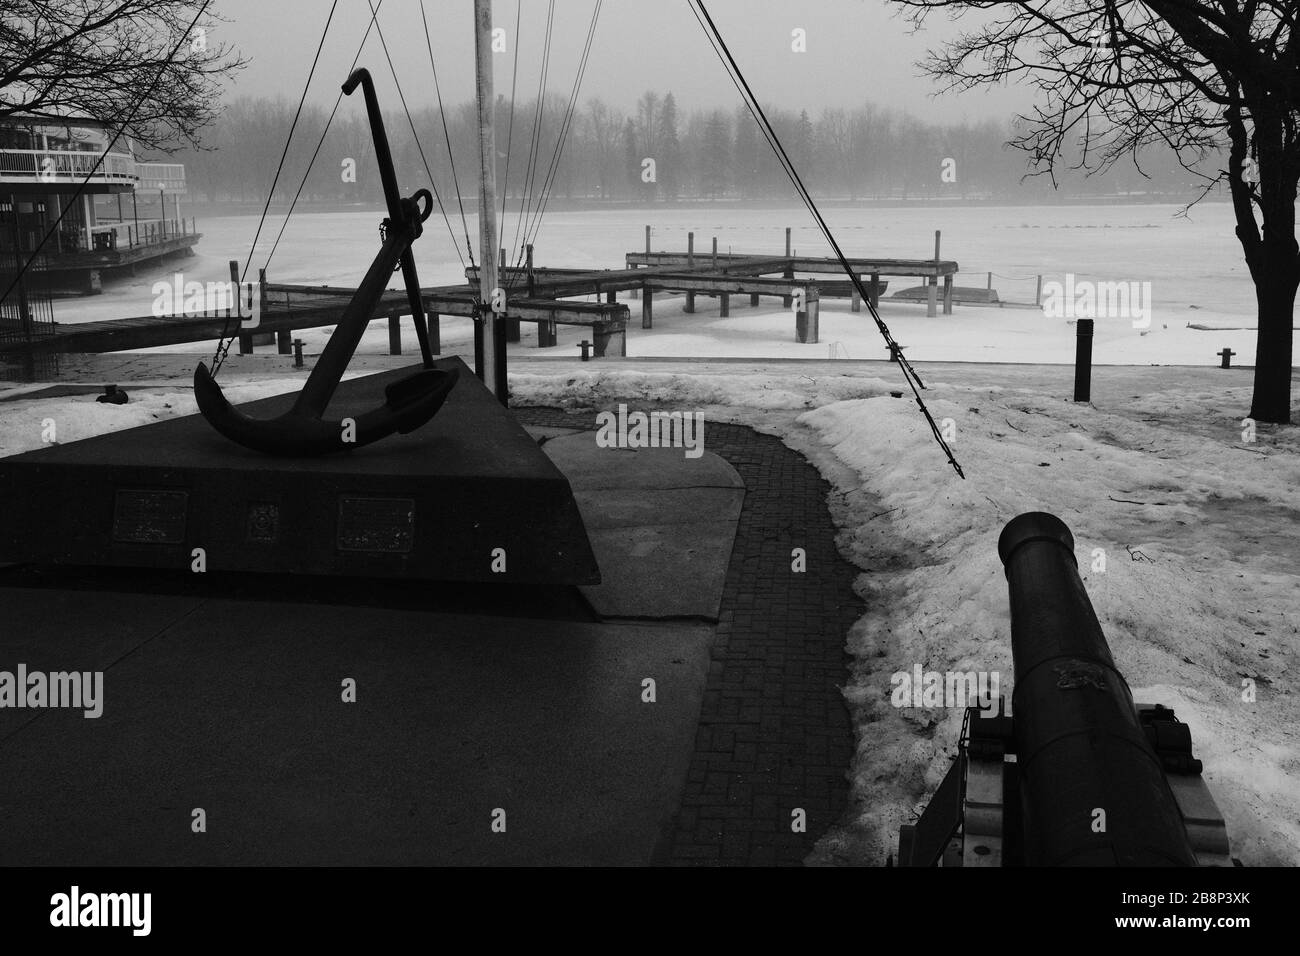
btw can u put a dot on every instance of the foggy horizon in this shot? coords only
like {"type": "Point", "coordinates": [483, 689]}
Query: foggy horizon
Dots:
{"type": "Point", "coordinates": [857, 51]}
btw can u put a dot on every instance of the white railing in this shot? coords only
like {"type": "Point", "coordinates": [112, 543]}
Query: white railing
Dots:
{"type": "Point", "coordinates": [62, 166]}
{"type": "Point", "coordinates": [146, 232]}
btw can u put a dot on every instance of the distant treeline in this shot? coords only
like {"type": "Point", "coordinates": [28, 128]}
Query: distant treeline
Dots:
{"type": "Point", "coordinates": [659, 153]}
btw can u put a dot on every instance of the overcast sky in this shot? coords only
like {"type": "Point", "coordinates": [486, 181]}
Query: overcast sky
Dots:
{"type": "Point", "coordinates": [856, 50]}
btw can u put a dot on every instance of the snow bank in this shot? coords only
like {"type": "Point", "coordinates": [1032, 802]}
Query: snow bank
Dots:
{"type": "Point", "coordinates": [1186, 541]}
{"type": "Point", "coordinates": [1186, 537]}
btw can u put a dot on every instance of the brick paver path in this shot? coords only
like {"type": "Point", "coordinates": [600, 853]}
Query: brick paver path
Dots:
{"type": "Point", "coordinates": [774, 735]}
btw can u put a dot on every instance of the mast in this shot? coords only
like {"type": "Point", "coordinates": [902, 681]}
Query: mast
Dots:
{"type": "Point", "coordinates": [491, 368]}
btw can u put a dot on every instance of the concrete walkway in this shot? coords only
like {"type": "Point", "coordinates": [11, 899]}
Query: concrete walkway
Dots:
{"type": "Point", "coordinates": [236, 708]}
{"type": "Point", "coordinates": [234, 705]}
{"type": "Point", "coordinates": [774, 736]}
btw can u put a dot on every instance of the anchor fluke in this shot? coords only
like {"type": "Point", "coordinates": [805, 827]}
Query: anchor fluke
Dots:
{"type": "Point", "coordinates": [410, 403]}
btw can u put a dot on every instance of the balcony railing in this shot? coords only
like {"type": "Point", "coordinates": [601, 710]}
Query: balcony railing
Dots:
{"type": "Point", "coordinates": [128, 235]}
{"type": "Point", "coordinates": [66, 166]}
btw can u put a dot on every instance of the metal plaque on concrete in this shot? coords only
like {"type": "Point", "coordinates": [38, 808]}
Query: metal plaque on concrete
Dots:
{"type": "Point", "coordinates": [263, 522]}
{"type": "Point", "coordinates": [376, 524]}
{"type": "Point", "coordinates": [150, 517]}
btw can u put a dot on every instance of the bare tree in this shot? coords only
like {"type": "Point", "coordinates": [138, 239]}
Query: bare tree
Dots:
{"type": "Point", "coordinates": [1114, 77]}
{"type": "Point", "coordinates": [111, 60]}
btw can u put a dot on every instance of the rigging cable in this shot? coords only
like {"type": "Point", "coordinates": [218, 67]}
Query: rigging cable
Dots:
{"type": "Point", "coordinates": [22, 270]}
{"type": "Point", "coordinates": [451, 155]}
{"type": "Point", "coordinates": [419, 146]}
{"type": "Point", "coordinates": [747, 94]}
{"type": "Point", "coordinates": [510, 130]}
{"type": "Point", "coordinates": [226, 340]}
{"type": "Point", "coordinates": [288, 139]}
{"type": "Point", "coordinates": [219, 355]}
{"type": "Point", "coordinates": [534, 145]}
{"type": "Point", "coordinates": [567, 123]}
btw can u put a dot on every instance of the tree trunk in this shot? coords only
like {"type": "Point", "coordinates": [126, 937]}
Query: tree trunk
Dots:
{"type": "Point", "coordinates": [1271, 251]}
{"type": "Point", "coordinates": [1275, 292]}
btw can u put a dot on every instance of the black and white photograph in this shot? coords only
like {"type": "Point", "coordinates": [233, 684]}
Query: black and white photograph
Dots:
{"type": "Point", "coordinates": [677, 435]}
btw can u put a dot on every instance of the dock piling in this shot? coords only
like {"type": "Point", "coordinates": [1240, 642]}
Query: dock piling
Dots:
{"type": "Point", "coordinates": [394, 333]}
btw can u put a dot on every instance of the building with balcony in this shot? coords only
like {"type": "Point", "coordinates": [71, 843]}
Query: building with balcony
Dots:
{"type": "Point", "coordinates": [127, 213]}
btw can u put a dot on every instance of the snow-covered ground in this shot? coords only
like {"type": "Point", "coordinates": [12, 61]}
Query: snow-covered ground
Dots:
{"type": "Point", "coordinates": [1198, 527]}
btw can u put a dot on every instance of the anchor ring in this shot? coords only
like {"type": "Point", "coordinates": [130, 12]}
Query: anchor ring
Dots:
{"type": "Point", "coordinates": [428, 202]}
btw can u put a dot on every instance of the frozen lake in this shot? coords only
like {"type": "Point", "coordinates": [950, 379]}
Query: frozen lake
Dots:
{"type": "Point", "coordinates": [1191, 267]}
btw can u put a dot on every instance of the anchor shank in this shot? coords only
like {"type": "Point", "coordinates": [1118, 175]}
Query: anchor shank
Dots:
{"type": "Point", "coordinates": [383, 155]}
{"type": "Point", "coordinates": [333, 362]}
{"type": "Point", "coordinates": [417, 306]}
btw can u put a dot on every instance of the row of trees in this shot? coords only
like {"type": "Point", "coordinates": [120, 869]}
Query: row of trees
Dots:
{"type": "Point", "coordinates": [655, 153]}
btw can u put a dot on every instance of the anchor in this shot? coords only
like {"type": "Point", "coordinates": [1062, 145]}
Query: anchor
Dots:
{"type": "Point", "coordinates": [409, 403]}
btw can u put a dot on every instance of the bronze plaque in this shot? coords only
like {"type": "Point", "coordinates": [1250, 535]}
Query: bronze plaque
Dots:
{"type": "Point", "coordinates": [263, 522]}
{"type": "Point", "coordinates": [376, 524]}
{"type": "Point", "coordinates": [150, 517]}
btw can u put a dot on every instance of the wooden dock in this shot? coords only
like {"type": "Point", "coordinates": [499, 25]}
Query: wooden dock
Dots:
{"type": "Point", "coordinates": [288, 308]}
{"type": "Point", "coordinates": [533, 295]}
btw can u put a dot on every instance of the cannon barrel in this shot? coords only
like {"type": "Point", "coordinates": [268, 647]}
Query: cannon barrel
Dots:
{"type": "Point", "coordinates": [1093, 792]}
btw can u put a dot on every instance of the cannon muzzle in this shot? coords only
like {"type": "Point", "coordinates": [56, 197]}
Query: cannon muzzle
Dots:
{"type": "Point", "coordinates": [1076, 774]}
{"type": "Point", "coordinates": [1093, 792]}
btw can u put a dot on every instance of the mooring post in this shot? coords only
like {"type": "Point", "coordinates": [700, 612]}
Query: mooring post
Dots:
{"type": "Point", "coordinates": [724, 305]}
{"type": "Point", "coordinates": [806, 322]}
{"type": "Point", "coordinates": [647, 240]}
{"type": "Point", "coordinates": [394, 333]}
{"type": "Point", "coordinates": [932, 293]}
{"type": "Point", "coordinates": [1038, 292]}
{"type": "Point", "coordinates": [690, 264]}
{"type": "Point", "coordinates": [297, 353]}
{"type": "Point", "coordinates": [647, 307]}
{"type": "Point", "coordinates": [585, 346]}
{"type": "Point", "coordinates": [714, 267]}
{"type": "Point", "coordinates": [786, 300]}
{"type": "Point", "coordinates": [512, 324]}
{"type": "Point", "coordinates": [234, 290]}
{"type": "Point", "coordinates": [1226, 355]}
{"type": "Point", "coordinates": [1083, 361]}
